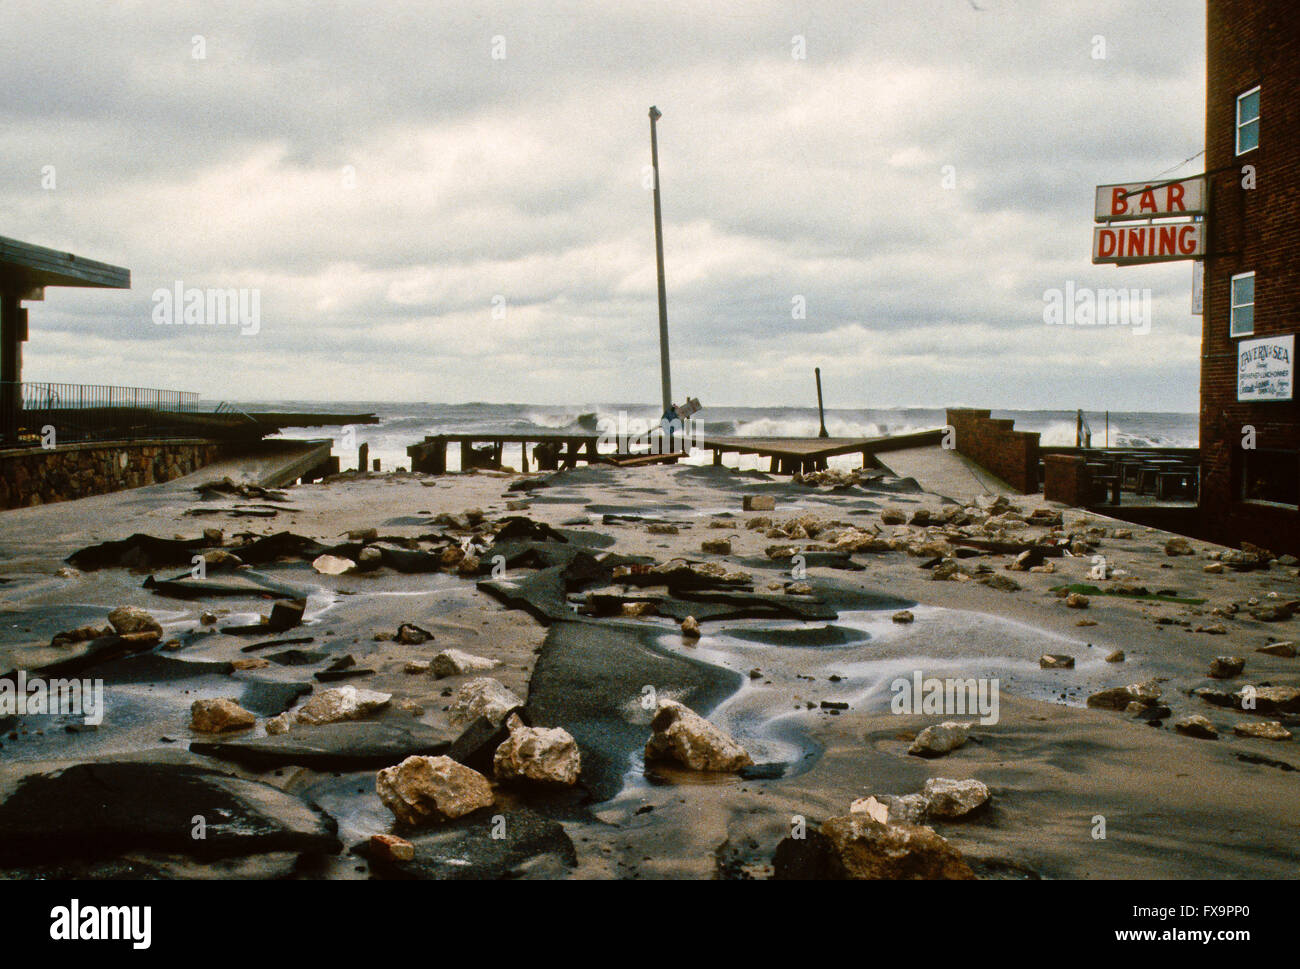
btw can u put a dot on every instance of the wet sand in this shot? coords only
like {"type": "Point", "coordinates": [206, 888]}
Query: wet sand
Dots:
{"type": "Point", "coordinates": [1174, 806]}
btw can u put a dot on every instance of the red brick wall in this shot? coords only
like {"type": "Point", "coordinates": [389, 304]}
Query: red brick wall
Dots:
{"type": "Point", "coordinates": [1066, 479]}
{"type": "Point", "coordinates": [995, 446]}
{"type": "Point", "coordinates": [1249, 42]}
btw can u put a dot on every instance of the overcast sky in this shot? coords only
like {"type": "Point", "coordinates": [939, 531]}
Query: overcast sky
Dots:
{"type": "Point", "coordinates": [385, 174]}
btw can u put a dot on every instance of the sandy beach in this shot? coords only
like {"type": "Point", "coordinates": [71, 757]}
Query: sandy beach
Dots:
{"type": "Point", "coordinates": [795, 662]}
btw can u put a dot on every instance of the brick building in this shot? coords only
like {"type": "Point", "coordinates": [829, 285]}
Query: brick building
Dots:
{"type": "Point", "coordinates": [1252, 274]}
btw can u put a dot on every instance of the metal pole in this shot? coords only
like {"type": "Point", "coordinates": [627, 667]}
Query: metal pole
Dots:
{"type": "Point", "coordinates": [665, 378]}
{"type": "Point", "coordinates": [821, 413]}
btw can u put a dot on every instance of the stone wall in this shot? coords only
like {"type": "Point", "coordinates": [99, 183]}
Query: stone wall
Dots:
{"type": "Point", "coordinates": [37, 476]}
{"type": "Point", "coordinates": [997, 447]}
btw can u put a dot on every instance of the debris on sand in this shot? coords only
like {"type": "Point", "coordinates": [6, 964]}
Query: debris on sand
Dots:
{"type": "Point", "coordinates": [128, 619]}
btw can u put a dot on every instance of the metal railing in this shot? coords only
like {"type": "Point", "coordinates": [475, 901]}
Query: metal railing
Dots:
{"type": "Point", "coordinates": [35, 413]}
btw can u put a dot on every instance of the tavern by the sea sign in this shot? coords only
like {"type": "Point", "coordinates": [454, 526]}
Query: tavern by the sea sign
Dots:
{"type": "Point", "coordinates": [1265, 368]}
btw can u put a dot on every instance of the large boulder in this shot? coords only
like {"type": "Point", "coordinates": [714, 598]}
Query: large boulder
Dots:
{"type": "Point", "coordinates": [863, 848]}
{"type": "Point", "coordinates": [545, 755]}
{"type": "Point", "coordinates": [421, 790]}
{"type": "Point", "coordinates": [342, 703]}
{"type": "Point", "coordinates": [939, 739]}
{"type": "Point", "coordinates": [483, 697]}
{"type": "Point", "coordinates": [682, 735]}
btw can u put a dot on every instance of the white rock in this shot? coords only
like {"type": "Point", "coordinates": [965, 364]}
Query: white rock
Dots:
{"type": "Point", "coordinates": [954, 799]}
{"type": "Point", "coordinates": [332, 564]}
{"type": "Point", "coordinates": [420, 790]}
{"type": "Point", "coordinates": [343, 703]}
{"type": "Point", "coordinates": [682, 735]}
{"type": "Point", "coordinates": [938, 739]}
{"type": "Point", "coordinates": [483, 697]}
{"type": "Point", "coordinates": [547, 755]}
{"type": "Point", "coordinates": [455, 662]}
{"type": "Point", "coordinates": [872, 807]}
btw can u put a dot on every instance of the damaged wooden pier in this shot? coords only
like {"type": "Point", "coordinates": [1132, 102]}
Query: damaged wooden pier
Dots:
{"type": "Point", "coordinates": [787, 455]}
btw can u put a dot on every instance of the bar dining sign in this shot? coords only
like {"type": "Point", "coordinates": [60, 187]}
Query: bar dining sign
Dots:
{"type": "Point", "coordinates": [1127, 245]}
{"type": "Point", "coordinates": [1265, 368]}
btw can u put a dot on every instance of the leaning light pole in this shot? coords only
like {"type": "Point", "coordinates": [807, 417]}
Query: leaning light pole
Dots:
{"type": "Point", "coordinates": [664, 375]}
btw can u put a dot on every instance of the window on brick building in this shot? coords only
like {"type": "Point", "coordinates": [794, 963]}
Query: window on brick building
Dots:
{"type": "Point", "coordinates": [1242, 293]}
{"type": "Point", "coordinates": [1273, 476]}
{"type": "Point", "coordinates": [1248, 121]}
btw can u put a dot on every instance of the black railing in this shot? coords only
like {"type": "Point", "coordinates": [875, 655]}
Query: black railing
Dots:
{"type": "Point", "coordinates": [33, 414]}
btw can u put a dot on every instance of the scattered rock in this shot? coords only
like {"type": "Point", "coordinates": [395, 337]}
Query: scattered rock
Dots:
{"type": "Point", "coordinates": [661, 528]}
{"type": "Point", "coordinates": [1226, 667]}
{"type": "Point", "coordinates": [690, 628]}
{"type": "Point", "coordinates": [634, 609]}
{"type": "Point", "coordinates": [250, 663]}
{"type": "Point", "coordinates": [682, 735]}
{"type": "Point", "coordinates": [128, 619]}
{"type": "Point", "coordinates": [893, 515]}
{"type": "Point", "coordinates": [862, 848]}
{"type": "Point", "coordinates": [716, 546]}
{"type": "Point", "coordinates": [1286, 650]}
{"type": "Point", "coordinates": [1262, 729]}
{"type": "Point", "coordinates": [1115, 657]}
{"type": "Point", "coordinates": [483, 697]}
{"type": "Point", "coordinates": [417, 666]}
{"type": "Point", "coordinates": [389, 847]}
{"type": "Point", "coordinates": [370, 559]}
{"type": "Point", "coordinates": [903, 616]}
{"type": "Point", "coordinates": [421, 790]}
{"type": "Point", "coordinates": [939, 739]}
{"type": "Point", "coordinates": [1076, 601]}
{"type": "Point", "coordinates": [1213, 568]}
{"type": "Point", "coordinates": [409, 634]}
{"type": "Point", "coordinates": [1196, 725]}
{"type": "Point", "coordinates": [545, 755]}
{"type": "Point", "coordinates": [1178, 546]}
{"type": "Point", "coordinates": [454, 662]}
{"type": "Point", "coordinates": [218, 716]}
{"type": "Point", "coordinates": [1056, 661]}
{"type": "Point", "coordinates": [954, 799]}
{"type": "Point", "coordinates": [279, 724]}
{"type": "Point", "coordinates": [758, 503]}
{"type": "Point", "coordinates": [342, 703]}
{"type": "Point", "coordinates": [332, 564]}
{"type": "Point", "coordinates": [1119, 697]}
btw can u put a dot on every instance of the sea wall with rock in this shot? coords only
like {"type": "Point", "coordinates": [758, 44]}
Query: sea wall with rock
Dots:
{"type": "Point", "coordinates": [37, 476]}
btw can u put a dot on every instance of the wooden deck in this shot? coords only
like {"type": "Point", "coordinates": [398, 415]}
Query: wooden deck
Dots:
{"type": "Point", "coordinates": [554, 451]}
{"type": "Point", "coordinates": [550, 451]}
{"type": "Point", "coordinates": [791, 454]}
